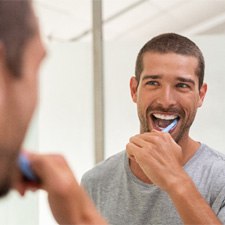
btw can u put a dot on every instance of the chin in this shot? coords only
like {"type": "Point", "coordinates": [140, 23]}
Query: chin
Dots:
{"type": "Point", "coordinates": [5, 187]}
{"type": "Point", "coordinates": [8, 167]}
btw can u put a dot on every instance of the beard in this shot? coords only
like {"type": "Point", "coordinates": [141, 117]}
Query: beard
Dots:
{"type": "Point", "coordinates": [5, 187]}
{"type": "Point", "coordinates": [184, 127]}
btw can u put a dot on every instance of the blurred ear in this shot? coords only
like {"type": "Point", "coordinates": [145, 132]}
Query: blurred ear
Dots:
{"type": "Point", "coordinates": [133, 88]}
{"type": "Point", "coordinates": [202, 94]}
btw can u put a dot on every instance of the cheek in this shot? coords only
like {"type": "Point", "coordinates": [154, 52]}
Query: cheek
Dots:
{"type": "Point", "coordinates": [144, 98]}
{"type": "Point", "coordinates": [32, 95]}
{"type": "Point", "coordinates": [190, 108]}
{"type": "Point", "coordinates": [142, 104]}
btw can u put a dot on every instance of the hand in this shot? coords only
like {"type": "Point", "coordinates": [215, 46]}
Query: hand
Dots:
{"type": "Point", "coordinates": [159, 157]}
{"type": "Point", "coordinates": [68, 201]}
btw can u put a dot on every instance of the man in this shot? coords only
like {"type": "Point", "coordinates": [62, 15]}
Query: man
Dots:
{"type": "Point", "coordinates": [21, 52]}
{"type": "Point", "coordinates": [163, 178]}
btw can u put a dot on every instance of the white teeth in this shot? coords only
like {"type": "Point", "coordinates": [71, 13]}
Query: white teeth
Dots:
{"type": "Point", "coordinates": [164, 117]}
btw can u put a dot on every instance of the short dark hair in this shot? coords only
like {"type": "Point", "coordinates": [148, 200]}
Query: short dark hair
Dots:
{"type": "Point", "coordinates": [16, 28]}
{"type": "Point", "coordinates": [172, 43]}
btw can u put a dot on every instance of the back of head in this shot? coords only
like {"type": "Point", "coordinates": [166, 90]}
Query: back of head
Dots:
{"type": "Point", "coordinates": [16, 28]}
{"type": "Point", "coordinates": [172, 43]}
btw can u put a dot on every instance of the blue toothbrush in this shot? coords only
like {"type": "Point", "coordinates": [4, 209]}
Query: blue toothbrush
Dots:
{"type": "Point", "coordinates": [25, 167]}
{"type": "Point", "coordinates": [170, 127]}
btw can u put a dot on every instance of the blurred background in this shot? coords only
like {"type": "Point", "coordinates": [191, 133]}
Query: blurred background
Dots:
{"type": "Point", "coordinates": [125, 20]}
{"type": "Point", "coordinates": [70, 100]}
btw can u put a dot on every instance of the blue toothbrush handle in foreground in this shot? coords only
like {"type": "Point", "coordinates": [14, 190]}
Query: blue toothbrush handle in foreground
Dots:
{"type": "Point", "coordinates": [25, 167]}
{"type": "Point", "coordinates": [170, 127]}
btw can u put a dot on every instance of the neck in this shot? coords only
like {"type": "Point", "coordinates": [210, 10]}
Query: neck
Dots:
{"type": "Point", "coordinates": [138, 172]}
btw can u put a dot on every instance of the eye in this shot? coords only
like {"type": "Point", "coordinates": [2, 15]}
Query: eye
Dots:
{"type": "Point", "coordinates": [182, 85]}
{"type": "Point", "coordinates": [152, 83]}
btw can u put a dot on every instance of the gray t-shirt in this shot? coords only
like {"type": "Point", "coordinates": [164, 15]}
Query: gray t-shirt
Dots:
{"type": "Point", "coordinates": [123, 199]}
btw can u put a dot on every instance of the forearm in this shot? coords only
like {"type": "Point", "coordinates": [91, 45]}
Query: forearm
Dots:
{"type": "Point", "coordinates": [83, 210]}
{"type": "Point", "coordinates": [71, 205]}
{"type": "Point", "coordinates": [191, 206]}
{"type": "Point", "coordinates": [68, 201]}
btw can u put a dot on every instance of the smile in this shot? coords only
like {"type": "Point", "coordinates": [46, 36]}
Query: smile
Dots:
{"type": "Point", "coordinates": [160, 121]}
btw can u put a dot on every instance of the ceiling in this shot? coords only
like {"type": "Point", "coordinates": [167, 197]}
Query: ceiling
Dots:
{"type": "Point", "coordinates": [70, 20]}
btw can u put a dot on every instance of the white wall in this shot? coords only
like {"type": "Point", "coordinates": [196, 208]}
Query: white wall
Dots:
{"type": "Point", "coordinates": [66, 108]}
{"type": "Point", "coordinates": [209, 124]}
{"type": "Point", "coordinates": [66, 115]}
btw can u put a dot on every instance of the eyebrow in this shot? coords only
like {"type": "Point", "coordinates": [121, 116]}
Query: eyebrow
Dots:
{"type": "Point", "coordinates": [181, 79]}
{"type": "Point", "coordinates": [145, 77]}
{"type": "Point", "coordinates": [186, 80]}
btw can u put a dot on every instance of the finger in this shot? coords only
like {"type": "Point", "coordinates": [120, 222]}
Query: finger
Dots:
{"type": "Point", "coordinates": [142, 139]}
{"type": "Point", "coordinates": [155, 137]}
{"type": "Point", "coordinates": [43, 166]}
{"type": "Point", "coordinates": [138, 140]}
{"type": "Point", "coordinates": [132, 150]}
{"type": "Point", "coordinates": [41, 161]}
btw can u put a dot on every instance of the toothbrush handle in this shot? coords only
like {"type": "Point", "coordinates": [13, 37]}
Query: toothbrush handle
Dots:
{"type": "Point", "coordinates": [25, 167]}
{"type": "Point", "coordinates": [170, 127]}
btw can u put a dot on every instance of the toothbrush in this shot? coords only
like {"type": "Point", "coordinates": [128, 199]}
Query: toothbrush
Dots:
{"type": "Point", "coordinates": [25, 167]}
{"type": "Point", "coordinates": [170, 127]}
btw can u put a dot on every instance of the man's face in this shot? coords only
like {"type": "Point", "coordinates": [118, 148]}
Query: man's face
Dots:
{"type": "Point", "coordinates": [167, 90]}
{"type": "Point", "coordinates": [19, 99]}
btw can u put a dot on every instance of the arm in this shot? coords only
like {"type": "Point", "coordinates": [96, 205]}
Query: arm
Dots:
{"type": "Point", "coordinates": [68, 201]}
{"type": "Point", "coordinates": [191, 206]}
{"type": "Point", "coordinates": [160, 158]}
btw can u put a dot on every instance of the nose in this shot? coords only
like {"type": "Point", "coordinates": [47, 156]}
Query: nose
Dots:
{"type": "Point", "coordinates": [166, 98]}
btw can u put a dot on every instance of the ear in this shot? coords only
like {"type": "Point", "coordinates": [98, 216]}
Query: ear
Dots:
{"type": "Point", "coordinates": [133, 88]}
{"type": "Point", "coordinates": [202, 94]}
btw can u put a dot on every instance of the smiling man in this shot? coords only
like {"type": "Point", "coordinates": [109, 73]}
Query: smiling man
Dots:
{"type": "Point", "coordinates": [163, 178]}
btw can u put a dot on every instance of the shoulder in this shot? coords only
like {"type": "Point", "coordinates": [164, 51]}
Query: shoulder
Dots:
{"type": "Point", "coordinates": [209, 165]}
{"type": "Point", "coordinates": [212, 156]}
{"type": "Point", "coordinates": [207, 170]}
{"type": "Point", "coordinates": [206, 155]}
